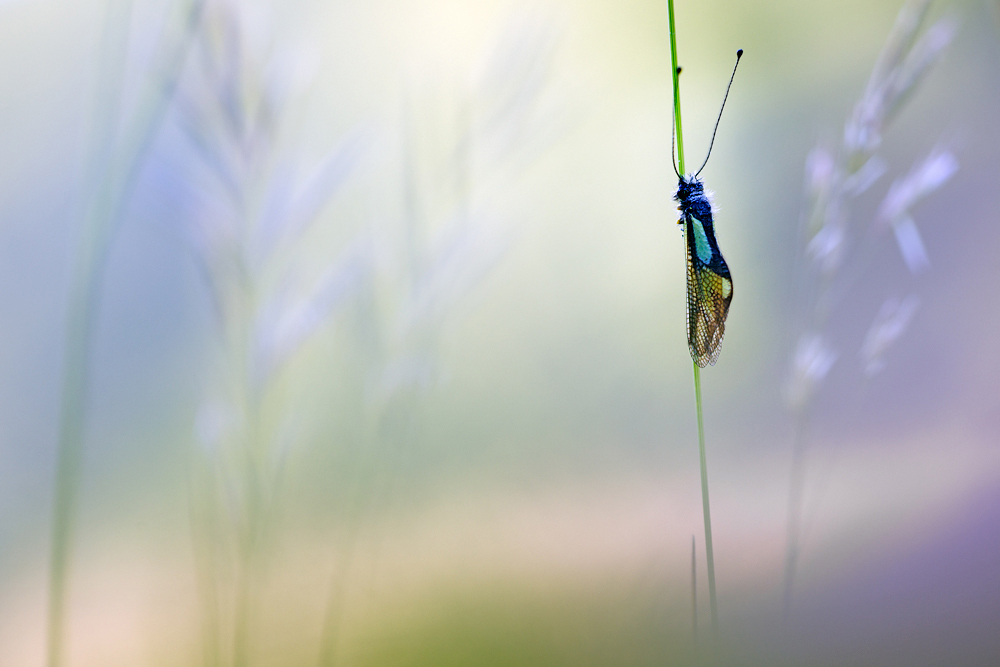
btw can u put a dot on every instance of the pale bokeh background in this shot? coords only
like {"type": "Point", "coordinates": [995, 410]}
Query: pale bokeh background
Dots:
{"type": "Point", "coordinates": [501, 452]}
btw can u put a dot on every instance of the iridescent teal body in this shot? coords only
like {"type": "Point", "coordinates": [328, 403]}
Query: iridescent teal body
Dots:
{"type": "Point", "coordinates": [709, 283]}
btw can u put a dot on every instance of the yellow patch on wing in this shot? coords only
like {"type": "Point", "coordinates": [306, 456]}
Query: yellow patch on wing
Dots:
{"type": "Point", "coordinates": [708, 299]}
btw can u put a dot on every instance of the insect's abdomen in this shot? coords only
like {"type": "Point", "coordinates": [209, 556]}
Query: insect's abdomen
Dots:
{"type": "Point", "coordinates": [710, 286]}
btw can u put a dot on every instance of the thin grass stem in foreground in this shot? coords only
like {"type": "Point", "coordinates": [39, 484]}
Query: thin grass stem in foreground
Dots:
{"type": "Point", "coordinates": [709, 552]}
{"type": "Point", "coordinates": [694, 592]}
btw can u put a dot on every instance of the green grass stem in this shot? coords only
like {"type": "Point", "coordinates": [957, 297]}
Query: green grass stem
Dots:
{"type": "Point", "coordinates": [706, 511]}
{"type": "Point", "coordinates": [694, 591]}
{"type": "Point", "coordinates": [709, 551]}
{"type": "Point", "coordinates": [675, 74]}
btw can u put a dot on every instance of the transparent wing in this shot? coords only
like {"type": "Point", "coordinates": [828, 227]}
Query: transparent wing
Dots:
{"type": "Point", "coordinates": [708, 299]}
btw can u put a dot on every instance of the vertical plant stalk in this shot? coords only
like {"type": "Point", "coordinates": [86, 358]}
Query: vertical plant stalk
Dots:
{"type": "Point", "coordinates": [101, 218]}
{"type": "Point", "coordinates": [706, 510]}
{"type": "Point", "coordinates": [709, 551]}
{"type": "Point", "coordinates": [694, 592]}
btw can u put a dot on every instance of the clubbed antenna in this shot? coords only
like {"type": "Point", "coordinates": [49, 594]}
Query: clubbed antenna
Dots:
{"type": "Point", "coordinates": [739, 54]}
{"type": "Point", "coordinates": [673, 136]}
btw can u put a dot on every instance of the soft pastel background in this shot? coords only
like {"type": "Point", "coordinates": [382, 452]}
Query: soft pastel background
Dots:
{"type": "Point", "coordinates": [480, 442]}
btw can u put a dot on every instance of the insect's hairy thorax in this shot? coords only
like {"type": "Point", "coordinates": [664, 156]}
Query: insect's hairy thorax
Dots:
{"type": "Point", "coordinates": [697, 219]}
{"type": "Point", "coordinates": [692, 198]}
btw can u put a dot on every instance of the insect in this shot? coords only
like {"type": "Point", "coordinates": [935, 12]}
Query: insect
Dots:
{"type": "Point", "coordinates": [709, 283]}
